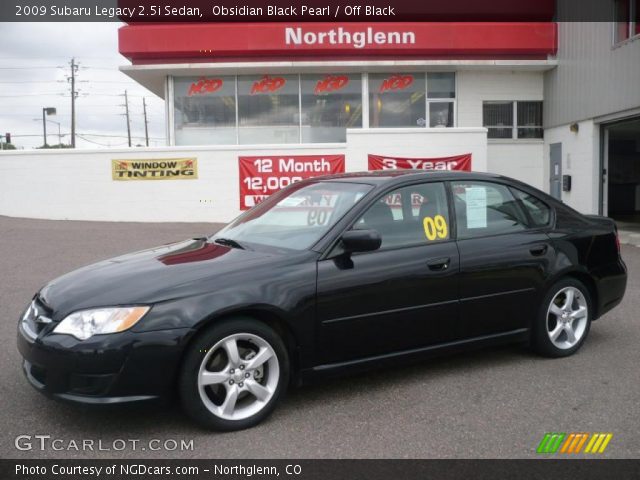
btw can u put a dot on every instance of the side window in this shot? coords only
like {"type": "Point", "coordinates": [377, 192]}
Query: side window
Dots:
{"type": "Point", "coordinates": [484, 209]}
{"type": "Point", "coordinates": [539, 212]}
{"type": "Point", "coordinates": [408, 216]}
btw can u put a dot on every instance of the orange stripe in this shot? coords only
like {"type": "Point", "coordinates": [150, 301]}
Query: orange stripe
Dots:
{"type": "Point", "coordinates": [567, 442]}
{"type": "Point", "coordinates": [584, 439]}
{"type": "Point", "coordinates": [574, 443]}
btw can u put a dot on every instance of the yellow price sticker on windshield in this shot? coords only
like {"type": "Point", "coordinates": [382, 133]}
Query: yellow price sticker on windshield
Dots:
{"type": "Point", "coordinates": [435, 228]}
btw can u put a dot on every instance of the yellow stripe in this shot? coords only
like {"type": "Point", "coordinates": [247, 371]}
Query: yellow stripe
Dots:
{"type": "Point", "coordinates": [575, 442]}
{"type": "Point", "coordinates": [590, 444]}
{"type": "Point", "coordinates": [605, 443]}
{"type": "Point", "coordinates": [567, 442]}
{"type": "Point", "coordinates": [596, 445]}
{"type": "Point", "coordinates": [584, 439]}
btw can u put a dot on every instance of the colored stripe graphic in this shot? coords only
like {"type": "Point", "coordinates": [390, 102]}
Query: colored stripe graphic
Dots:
{"type": "Point", "coordinates": [598, 443]}
{"type": "Point", "coordinates": [551, 442]}
{"type": "Point", "coordinates": [573, 443]}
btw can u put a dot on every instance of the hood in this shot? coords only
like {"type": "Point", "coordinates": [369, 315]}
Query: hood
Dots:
{"type": "Point", "coordinates": [149, 276]}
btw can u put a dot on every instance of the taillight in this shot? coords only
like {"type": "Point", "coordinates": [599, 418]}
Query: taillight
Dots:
{"type": "Point", "coordinates": [617, 241]}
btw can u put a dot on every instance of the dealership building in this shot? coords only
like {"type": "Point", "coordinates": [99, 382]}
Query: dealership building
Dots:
{"type": "Point", "coordinates": [253, 107]}
{"type": "Point", "coordinates": [556, 105]}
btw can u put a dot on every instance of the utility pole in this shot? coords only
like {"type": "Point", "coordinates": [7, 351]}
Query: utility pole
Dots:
{"type": "Point", "coordinates": [126, 107]}
{"type": "Point", "coordinates": [146, 124]}
{"type": "Point", "coordinates": [74, 94]}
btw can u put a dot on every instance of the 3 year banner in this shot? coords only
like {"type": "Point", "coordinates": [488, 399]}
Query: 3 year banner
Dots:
{"type": "Point", "coordinates": [458, 162]}
{"type": "Point", "coordinates": [265, 175]}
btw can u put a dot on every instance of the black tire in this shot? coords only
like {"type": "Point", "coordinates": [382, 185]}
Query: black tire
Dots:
{"type": "Point", "coordinates": [190, 392]}
{"type": "Point", "coordinates": [541, 341]}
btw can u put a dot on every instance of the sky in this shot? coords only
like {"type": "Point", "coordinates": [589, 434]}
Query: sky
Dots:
{"type": "Point", "coordinates": [34, 66]}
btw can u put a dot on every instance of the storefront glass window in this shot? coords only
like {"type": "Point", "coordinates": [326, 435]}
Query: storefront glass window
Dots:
{"type": "Point", "coordinates": [441, 92]}
{"type": "Point", "coordinates": [268, 109]}
{"type": "Point", "coordinates": [530, 120]}
{"type": "Point", "coordinates": [330, 104]}
{"type": "Point", "coordinates": [498, 118]}
{"type": "Point", "coordinates": [440, 114]}
{"type": "Point", "coordinates": [205, 110]}
{"type": "Point", "coordinates": [397, 100]}
{"type": "Point", "coordinates": [441, 85]}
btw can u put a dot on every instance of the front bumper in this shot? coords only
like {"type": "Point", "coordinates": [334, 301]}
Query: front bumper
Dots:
{"type": "Point", "coordinates": [104, 369]}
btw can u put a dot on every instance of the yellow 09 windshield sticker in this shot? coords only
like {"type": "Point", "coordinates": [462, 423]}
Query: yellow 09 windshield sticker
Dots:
{"type": "Point", "coordinates": [435, 228]}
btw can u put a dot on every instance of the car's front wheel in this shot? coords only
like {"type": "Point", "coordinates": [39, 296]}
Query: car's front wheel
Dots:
{"type": "Point", "coordinates": [234, 374]}
{"type": "Point", "coordinates": [564, 319]}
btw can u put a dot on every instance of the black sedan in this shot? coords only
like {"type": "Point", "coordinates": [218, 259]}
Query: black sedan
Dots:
{"type": "Point", "coordinates": [330, 275]}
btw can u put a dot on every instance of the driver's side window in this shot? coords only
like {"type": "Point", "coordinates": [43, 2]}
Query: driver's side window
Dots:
{"type": "Point", "coordinates": [409, 216]}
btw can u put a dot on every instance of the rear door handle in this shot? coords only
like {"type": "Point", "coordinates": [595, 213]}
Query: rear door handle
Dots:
{"type": "Point", "coordinates": [538, 250]}
{"type": "Point", "coordinates": [439, 264]}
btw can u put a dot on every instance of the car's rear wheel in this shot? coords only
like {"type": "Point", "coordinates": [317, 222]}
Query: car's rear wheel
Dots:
{"type": "Point", "coordinates": [234, 375]}
{"type": "Point", "coordinates": [564, 319]}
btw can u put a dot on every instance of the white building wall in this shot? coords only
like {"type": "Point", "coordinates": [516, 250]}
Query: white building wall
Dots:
{"type": "Point", "coordinates": [581, 160]}
{"type": "Point", "coordinates": [78, 184]}
{"type": "Point", "coordinates": [520, 159]}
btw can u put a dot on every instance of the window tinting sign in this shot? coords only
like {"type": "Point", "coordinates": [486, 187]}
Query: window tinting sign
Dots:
{"type": "Point", "coordinates": [155, 169]}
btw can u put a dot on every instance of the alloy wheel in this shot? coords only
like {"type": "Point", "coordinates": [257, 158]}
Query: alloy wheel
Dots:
{"type": "Point", "coordinates": [238, 376]}
{"type": "Point", "coordinates": [567, 318]}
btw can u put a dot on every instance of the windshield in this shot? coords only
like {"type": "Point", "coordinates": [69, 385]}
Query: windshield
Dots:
{"type": "Point", "coordinates": [297, 217]}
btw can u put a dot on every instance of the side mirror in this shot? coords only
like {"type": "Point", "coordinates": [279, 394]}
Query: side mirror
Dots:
{"type": "Point", "coordinates": [361, 241]}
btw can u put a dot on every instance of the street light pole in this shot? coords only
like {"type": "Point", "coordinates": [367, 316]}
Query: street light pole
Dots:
{"type": "Point", "coordinates": [46, 111]}
{"type": "Point", "coordinates": [44, 126]}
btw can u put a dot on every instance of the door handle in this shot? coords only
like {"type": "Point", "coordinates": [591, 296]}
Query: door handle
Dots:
{"type": "Point", "coordinates": [538, 250]}
{"type": "Point", "coordinates": [439, 264]}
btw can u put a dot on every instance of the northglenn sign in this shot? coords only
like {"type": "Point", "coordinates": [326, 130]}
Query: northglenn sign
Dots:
{"type": "Point", "coordinates": [340, 36]}
{"type": "Point", "coordinates": [198, 42]}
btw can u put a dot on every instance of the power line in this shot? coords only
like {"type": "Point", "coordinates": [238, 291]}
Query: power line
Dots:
{"type": "Point", "coordinates": [28, 68]}
{"type": "Point", "coordinates": [101, 144]}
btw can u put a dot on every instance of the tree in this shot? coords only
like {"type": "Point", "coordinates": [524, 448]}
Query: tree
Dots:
{"type": "Point", "coordinates": [60, 145]}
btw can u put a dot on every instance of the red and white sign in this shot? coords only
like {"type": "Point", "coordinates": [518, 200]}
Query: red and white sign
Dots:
{"type": "Point", "coordinates": [458, 162]}
{"type": "Point", "coordinates": [204, 86]}
{"type": "Point", "coordinates": [263, 176]}
{"type": "Point", "coordinates": [396, 82]}
{"type": "Point", "coordinates": [268, 84]}
{"type": "Point", "coordinates": [162, 43]}
{"type": "Point", "coordinates": [331, 83]}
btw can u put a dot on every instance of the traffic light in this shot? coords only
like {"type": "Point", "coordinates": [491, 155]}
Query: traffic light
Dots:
{"type": "Point", "coordinates": [7, 136]}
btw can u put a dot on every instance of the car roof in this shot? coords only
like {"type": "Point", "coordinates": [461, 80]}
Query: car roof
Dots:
{"type": "Point", "coordinates": [381, 177]}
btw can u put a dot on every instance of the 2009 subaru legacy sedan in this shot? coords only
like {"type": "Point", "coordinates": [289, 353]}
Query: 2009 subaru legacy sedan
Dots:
{"type": "Point", "coordinates": [329, 275]}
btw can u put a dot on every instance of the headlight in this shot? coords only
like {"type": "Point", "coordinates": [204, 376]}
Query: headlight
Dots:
{"type": "Point", "coordinates": [87, 323]}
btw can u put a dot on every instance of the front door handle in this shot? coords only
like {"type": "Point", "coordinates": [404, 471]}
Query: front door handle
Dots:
{"type": "Point", "coordinates": [439, 264]}
{"type": "Point", "coordinates": [538, 250]}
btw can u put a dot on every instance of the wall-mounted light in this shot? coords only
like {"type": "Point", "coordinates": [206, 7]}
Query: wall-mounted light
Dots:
{"type": "Point", "coordinates": [574, 127]}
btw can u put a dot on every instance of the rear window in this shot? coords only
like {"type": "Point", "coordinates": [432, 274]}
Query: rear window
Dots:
{"type": "Point", "coordinates": [539, 212]}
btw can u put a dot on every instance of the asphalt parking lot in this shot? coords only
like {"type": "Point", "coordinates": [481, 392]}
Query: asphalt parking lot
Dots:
{"type": "Point", "coordinates": [487, 404]}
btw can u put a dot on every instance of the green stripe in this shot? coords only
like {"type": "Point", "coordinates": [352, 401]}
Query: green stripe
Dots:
{"type": "Point", "coordinates": [541, 447]}
{"type": "Point", "coordinates": [558, 442]}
